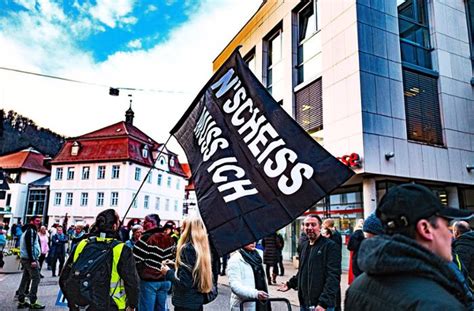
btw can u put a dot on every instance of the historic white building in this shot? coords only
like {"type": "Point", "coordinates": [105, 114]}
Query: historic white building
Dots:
{"type": "Point", "coordinates": [105, 168]}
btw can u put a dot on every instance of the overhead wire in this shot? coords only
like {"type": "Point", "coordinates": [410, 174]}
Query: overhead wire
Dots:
{"type": "Point", "coordinates": [90, 83]}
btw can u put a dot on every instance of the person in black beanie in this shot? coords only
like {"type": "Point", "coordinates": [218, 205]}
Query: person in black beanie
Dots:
{"type": "Point", "coordinates": [247, 279]}
{"type": "Point", "coordinates": [372, 226]}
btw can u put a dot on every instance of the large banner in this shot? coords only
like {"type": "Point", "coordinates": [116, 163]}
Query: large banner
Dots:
{"type": "Point", "coordinates": [255, 169]}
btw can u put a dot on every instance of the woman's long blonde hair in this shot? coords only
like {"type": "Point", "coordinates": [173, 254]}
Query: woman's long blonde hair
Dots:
{"type": "Point", "coordinates": [195, 233]}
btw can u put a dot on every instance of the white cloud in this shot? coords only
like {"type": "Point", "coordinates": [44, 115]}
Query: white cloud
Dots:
{"type": "Point", "coordinates": [113, 12]}
{"type": "Point", "coordinates": [135, 44]}
{"type": "Point", "coordinates": [183, 63]}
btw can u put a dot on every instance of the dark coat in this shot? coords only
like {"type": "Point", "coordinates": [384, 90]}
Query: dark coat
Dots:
{"type": "Point", "coordinates": [400, 275]}
{"type": "Point", "coordinates": [336, 237]}
{"type": "Point", "coordinates": [58, 245]}
{"type": "Point", "coordinates": [270, 251]}
{"type": "Point", "coordinates": [464, 247]}
{"type": "Point", "coordinates": [354, 243]}
{"type": "Point", "coordinates": [127, 274]}
{"type": "Point", "coordinates": [185, 291]}
{"type": "Point", "coordinates": [319, 274]}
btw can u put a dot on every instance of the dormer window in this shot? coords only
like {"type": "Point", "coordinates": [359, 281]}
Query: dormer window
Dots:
{"type": "Point", "coordinates": [145, 151]}
{"type": "Point", "coordinates": [171, 161]}
{"type": "Point", "coordinates": [162, 160]}
{"type": "Point", "coordinates": [75, 148]}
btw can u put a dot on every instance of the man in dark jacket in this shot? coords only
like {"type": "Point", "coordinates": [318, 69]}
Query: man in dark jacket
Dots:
{"type": "Point", "coordinates": [30, 250]}
{"type": "Point", "coordinates": [154, 247]}
{"type": "Point", "coordinates": [463, 245]}
{"type": "Point", "coordinates": [408, 268]}
{"type": "Point", "coordinates": [319, 272]}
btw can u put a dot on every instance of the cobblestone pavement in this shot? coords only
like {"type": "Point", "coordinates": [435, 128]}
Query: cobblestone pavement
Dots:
{"type": "Point", "coordinates": [48, 291]}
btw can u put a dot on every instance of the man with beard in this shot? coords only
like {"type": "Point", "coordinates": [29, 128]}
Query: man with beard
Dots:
{"type": "Point", "coordinates": [319, 271]}
{"type": "Point", "coordinates": [408, 268]}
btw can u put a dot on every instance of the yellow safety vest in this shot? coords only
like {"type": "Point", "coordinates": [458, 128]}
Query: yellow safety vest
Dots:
{"type": "Point", "coordinates": [117, 288]}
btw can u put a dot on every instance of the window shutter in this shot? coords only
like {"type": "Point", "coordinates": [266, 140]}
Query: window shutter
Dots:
{"type": "Point", "coordinates": [422, 108]}
{"type": "Point", "coordinates": [309, 106]}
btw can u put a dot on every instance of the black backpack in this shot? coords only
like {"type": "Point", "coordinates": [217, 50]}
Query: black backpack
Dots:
{"type": "Point", "coordinates": [86, 282]}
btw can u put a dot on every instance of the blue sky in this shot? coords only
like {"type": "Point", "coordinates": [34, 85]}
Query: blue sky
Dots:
{"type": "Point", "coordinates": [103, 27]}
{"type": "Point", "coordinates": [162, 50]}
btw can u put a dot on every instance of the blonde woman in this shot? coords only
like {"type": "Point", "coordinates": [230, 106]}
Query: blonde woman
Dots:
{"type": "Point", "coordinates": [192, 278]}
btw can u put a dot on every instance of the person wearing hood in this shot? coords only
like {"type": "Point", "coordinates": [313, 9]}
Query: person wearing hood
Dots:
{"type": "Point", "coordinates": [408, 267]}
{"type": "Point", "coordinates": [463, 245]}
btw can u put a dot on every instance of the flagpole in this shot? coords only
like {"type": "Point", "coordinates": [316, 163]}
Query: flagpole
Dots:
{"type": "Point", "coordinates": [146, 176]}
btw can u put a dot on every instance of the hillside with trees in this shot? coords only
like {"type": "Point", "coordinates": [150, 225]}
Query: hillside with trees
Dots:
{"type": "Point", "coordinates": [18, 132]}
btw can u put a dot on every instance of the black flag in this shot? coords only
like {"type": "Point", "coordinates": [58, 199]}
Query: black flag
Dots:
{"type": "Point", "coordinates": [255, 169]}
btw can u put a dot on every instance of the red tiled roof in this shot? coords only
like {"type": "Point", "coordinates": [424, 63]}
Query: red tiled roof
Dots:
{"type": "Point", "coordinates": [187, 171]}
{"type": "Point", "coordinates": [27, 159]}
{"type": "Point", "coordinates": [119, 129]}
{"type": "Point", "coordinates": [103, 149]}
{"type": "Point", "coordinates": [118, 142]}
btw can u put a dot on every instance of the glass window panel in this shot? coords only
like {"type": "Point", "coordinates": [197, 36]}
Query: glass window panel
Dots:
{"type": "Point", "coordinates": [406, 8]}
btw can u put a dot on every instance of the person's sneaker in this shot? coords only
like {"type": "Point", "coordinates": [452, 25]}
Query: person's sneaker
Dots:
{"type": "Point", "coordinates": [36, 306]}
{"type": "Point", "coordinates": [23, 305]}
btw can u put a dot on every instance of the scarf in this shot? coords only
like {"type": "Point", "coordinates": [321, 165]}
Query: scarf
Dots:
{"type": "Point", "coordinates": [255, 261]}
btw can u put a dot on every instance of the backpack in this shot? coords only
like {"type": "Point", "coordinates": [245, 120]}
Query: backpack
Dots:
{"type": "Point", "coordinates": [86, 282]}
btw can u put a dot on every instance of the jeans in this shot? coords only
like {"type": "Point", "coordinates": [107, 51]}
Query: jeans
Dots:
{"type": "Point", "coordinates": [153, 295]}
{"type": "Point", "coordinates": [311, 309]}
{"type": "Point", "coordinates": [29, 274]}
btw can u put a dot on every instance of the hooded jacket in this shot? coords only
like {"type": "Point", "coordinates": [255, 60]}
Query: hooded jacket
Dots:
{"type": "Point", "coordinates": [400, 274]}
{"type": "Point", "coordinates": [464, 247]}
{"type": "Point", "coordinates": [30, 244]}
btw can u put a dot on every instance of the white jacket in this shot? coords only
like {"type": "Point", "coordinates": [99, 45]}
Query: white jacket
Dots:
{"type": "Point", "coordinates": [241, 281]}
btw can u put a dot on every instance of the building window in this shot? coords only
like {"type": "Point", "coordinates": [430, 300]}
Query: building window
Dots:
{"type": "Point", "coordinates": [36, 202]}
{"type": "Point", "coordinates": [414, 33]}
{"type": "Point", "coordinates": [138, 173]}
{"type": "Point", "coordinates": [157, 203]}
{"type": "Point", "coordinates": [422, 108]}
{"type": "Point", "coordinates": [70, 173]}
{"type": "Point", "coordinates": [84, 198]}
{"type": "Point", "coordinates": [86, 172]}
{"type": "Point", "coordinates": [100, 199]}
{"type": "Point", "coordinates": [57, 198]}
{"type": "Point", "coordinates": [114, 199]}
{"type": "Point", "coordinates": [160, 177]}
{"type": "Point", "coordinates": [167, 205]}
{"type": "Point", "coordinates": [101, 172]}
{"type": "Point", "coordinates": [168, 182]}
{"type": "Point", "coordinates": [69, 196]}
{"type": "Point", "coordinates": [150, 175]}
{"type": "Point", "coordinates": [115, 171]}
{"type": "Point", "coordinates": [273, 60]}
{"type": "Point", "coordinates": [470, 24]}
{"type": "Point", "coordinates": [146, 201]}
{"type": "Point", "coordinates": [135, 202]}
{"type": "Point", "coordinates": [145, 151]}
{"type": "Point", "coordinates": [175, 205]}
{"type": "Point", "coordinates": [75, 148]}
{"type": "Point", "coordinates": [178, 184]}
{"type": "Point", "coordinates": [308, 44]}
{"type": "Point", "coordinates": [59, 173]}
{"type": "Point", "coordinates": [249, 59]}
{"type": "Point", "coordinates": [309, 107]}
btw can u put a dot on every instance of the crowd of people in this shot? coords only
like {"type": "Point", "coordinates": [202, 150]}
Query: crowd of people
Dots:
{"type": "Point", "coordinates": [404, 257]}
